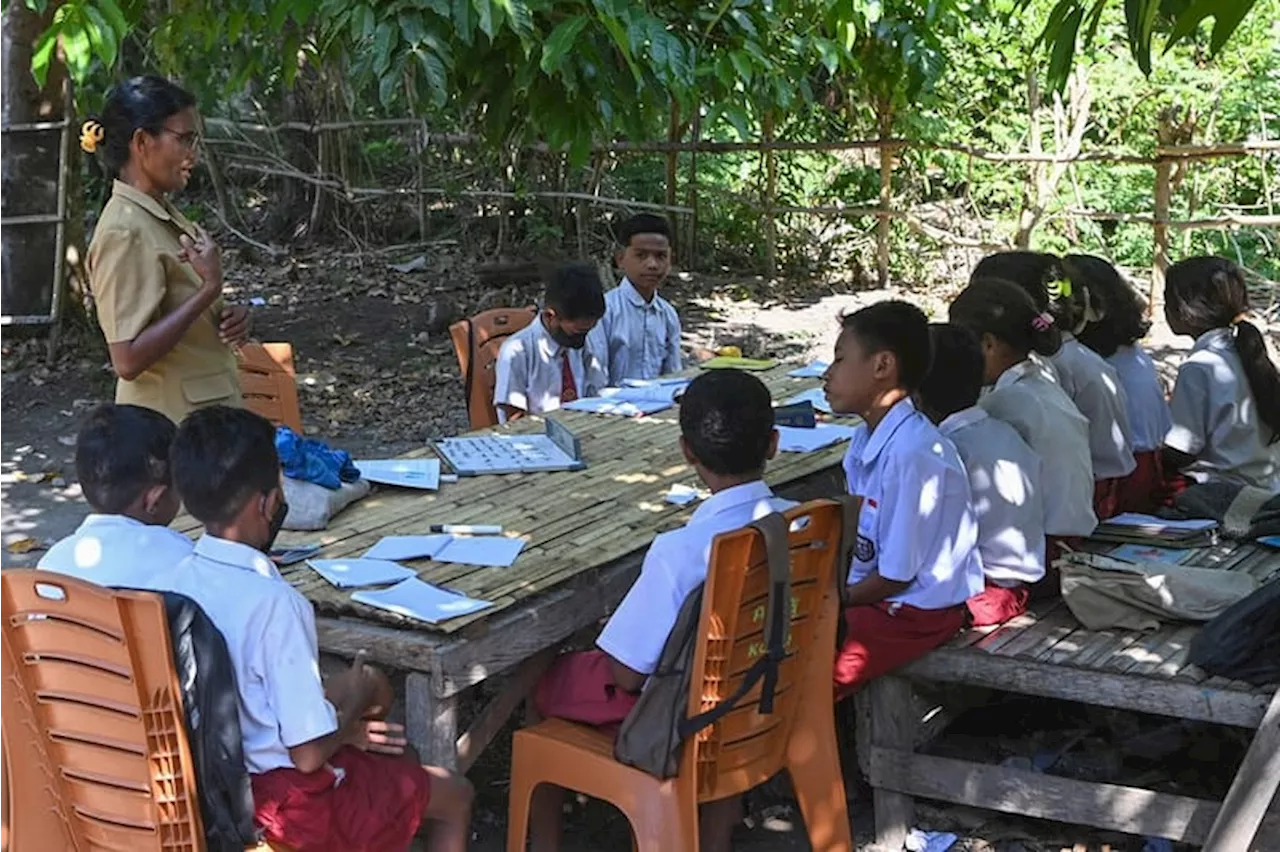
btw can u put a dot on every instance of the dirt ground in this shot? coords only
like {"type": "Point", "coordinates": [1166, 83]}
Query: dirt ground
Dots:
{"type": "Point", "coordinates": [377, 375]}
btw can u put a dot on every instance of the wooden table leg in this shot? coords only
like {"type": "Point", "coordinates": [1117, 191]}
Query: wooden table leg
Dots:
{"type": "Point", "coordinates": [431, 722]}
{"type": "Point", "coordinates": [886, 720]}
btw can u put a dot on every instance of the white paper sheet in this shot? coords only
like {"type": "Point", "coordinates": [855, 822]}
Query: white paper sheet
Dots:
{"type": "Point", "coordinates": [810, 371]}
{"type": "Point", "coordinates": [665, 392]}
{"type": "Point", "coordinates": [1133, 519]}
{"type": "Point", "coordinates": [813, 395]}
{"type": "Point", "coordinates": [793, 439]}
{"type": "Point", "coordinates": [661, 380]}
{"type": "Point", "coordinates": [621, 408]}
{"type": "Point", "coordinates": [681, 495]}
{"type": "Point", "coordinates": [408, 546]}
{"type": "Point", "coordinates": [423, 601]}
{"type": "Point", "coordinates": [494, 551]}
{"type": "Point", "coordinates": [407, 473]}
{"type": "Point", "coordinates": [350, 573]}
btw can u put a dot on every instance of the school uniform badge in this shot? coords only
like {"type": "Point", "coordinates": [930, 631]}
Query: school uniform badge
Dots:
{"type": "Point", "coordinates": [864, 549]}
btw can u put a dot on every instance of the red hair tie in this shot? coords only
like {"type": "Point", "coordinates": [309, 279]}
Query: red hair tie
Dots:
{"type": "Point", "coordinates": [1042, 322]}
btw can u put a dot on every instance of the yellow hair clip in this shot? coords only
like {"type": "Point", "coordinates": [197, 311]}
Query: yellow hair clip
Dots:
{"type": "Point", "coordinates": [91, 135]}
{"type": "Point", "coordinates": [1060, 289]}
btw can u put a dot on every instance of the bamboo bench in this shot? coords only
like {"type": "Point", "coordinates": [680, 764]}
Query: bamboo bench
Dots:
{"type": "Point", "coordinates": [1047, 653]}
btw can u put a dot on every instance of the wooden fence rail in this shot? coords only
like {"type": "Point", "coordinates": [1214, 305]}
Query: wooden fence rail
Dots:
{"type": "Point", "coordinates": [227, 134]}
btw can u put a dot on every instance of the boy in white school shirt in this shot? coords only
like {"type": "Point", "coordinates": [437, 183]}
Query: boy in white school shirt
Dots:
{"type": "Point", "coordinates": [727, 436]}
{"type": "Point", "coordinates": [122, 462]}
{"type": "Point", "coordinates": [639, 336]}
{"type": "Point", "coordinates": [549, 362]}
{"type": "Point", "coordinates": [1004, 475]}
{"type": "Point", "coordinates": [916, 558]}
{"type": "Point", "coordinates": [326, 775]}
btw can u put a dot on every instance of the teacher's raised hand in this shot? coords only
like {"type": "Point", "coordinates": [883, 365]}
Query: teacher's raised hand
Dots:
{"type": "Point", "coordinates": [204, 256]}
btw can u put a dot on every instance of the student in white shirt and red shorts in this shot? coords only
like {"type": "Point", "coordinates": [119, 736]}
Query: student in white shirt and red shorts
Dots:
{"type": "Point", "coordinates": [916, 558]}
{"type": "Point", "coordinates": [727, 435]}
{"type": "Point", "coordinates": [1004, 473]}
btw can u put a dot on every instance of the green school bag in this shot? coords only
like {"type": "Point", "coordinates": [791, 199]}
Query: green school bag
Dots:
{"type": "Point", "coordinates": [653, 732]}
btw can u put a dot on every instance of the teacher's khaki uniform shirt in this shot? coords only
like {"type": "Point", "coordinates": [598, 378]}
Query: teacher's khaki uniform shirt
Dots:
{"type": "Point", "coordinates": [137, 278]}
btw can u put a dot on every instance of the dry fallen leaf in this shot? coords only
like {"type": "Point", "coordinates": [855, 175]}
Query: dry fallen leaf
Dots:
{"type": "Point", "coordinates": [24, 545]}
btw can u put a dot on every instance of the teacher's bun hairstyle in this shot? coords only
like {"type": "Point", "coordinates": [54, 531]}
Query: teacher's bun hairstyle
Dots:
{"type": "Point", "coordinates": [142, 103]}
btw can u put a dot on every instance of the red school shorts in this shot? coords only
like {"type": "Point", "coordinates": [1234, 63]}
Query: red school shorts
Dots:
{"type": "Point", "coordinates": [997, 604]}
{"type": "Point", "coordinates": [579, 687]}
{"type": "Point", "coordinates": [360, 802]}
{"type": "Point", "coordinates": [1106, 498]}
{"type": "Point", "coordinates": [884, 636]}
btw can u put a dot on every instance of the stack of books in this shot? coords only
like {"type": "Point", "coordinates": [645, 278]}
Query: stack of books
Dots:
{"type": "Point", "coordinates": [1148, 529]}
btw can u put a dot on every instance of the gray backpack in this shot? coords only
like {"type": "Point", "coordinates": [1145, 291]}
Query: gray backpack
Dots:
{"type": "Point", "coordinates": [658, 724]}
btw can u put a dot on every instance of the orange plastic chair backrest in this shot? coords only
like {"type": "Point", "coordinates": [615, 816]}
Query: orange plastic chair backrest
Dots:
{"type": "Point", "coordinates": [745, 748]}
{"type": "Point", "coordinates": [95, 747]}
{"type": "Point", "coordinates": [476, 342]}
{"type": "Point", "coordinates": [267, 383]}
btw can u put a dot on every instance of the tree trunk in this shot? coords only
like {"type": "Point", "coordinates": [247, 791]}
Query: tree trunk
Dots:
{"type": "Point", "coordinates": [884, 124]}
{"type": "Point", "coordinates": [30, 166]}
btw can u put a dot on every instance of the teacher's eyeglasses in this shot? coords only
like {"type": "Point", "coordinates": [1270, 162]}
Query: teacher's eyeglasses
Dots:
{"type": "Point", "coordinates": [188, 140]}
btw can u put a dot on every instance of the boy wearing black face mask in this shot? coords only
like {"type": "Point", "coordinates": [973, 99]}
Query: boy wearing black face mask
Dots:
{"type": "Point", "coordinates": [548, 362]}
{"type": "Point", "coordinates": [326, 774]}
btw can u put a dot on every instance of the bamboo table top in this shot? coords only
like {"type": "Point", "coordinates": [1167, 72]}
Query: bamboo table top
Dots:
{"type": "Point", "coordinates": [572, 522]}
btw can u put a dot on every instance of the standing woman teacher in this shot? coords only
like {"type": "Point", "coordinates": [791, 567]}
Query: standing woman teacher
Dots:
{"type": "Point", "coordinates": [156, 277]}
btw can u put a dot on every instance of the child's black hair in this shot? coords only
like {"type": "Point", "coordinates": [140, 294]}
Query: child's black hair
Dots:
{"type": "Point", "coordinates": [1208, 292]}
{"type": "Point", "coordinates": [642, 223]}
{"type": "Point", "coordinates": [954, 381]}
{"type": "Point", "coordinates": [1005, 311]}
{"type": "Point", "coordinates": [574, 290]}
{"type": "Point", "coordinates": [221, 458]}
{"type": "Point", "coordinates": [1122, 319]}
{"type": "Point", "coordinates": [726, 418]}
{"type": "Point", "coordinates": [897, 327]}
{"type": "Point", "coordinates": [1044, 279]}
{"type": "Point", "coordinates": [121, 451]}
{"type": "Point", "coordinates": [139, 103]}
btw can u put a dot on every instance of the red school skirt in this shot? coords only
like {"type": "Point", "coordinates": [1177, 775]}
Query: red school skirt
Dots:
{"type": "Point", "coordinates": [1143, 490]}
{"type": "Point", "coordinates": [360, 802]}
{"type": "Point", "coordinates": [579, 687]}
{"type": "Point", "coordinates": [884, 636]}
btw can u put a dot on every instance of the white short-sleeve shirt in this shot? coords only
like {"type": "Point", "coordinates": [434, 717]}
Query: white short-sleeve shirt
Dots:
{"type": "Point", "coordinates": [674, 566]}
{"type": "Point", "coordinates": [115, 550]}
{"type": "Point", "coordinates": [1004, 482]}
{"type": "Point", "coordinates": [1144, 395]}
{"type": "Point", "coordinates": [529, 372]}
{"type": "Point", "coordinates": [917, 523]}
{"type": "Point", "coordinates": [270, 630]}
{"type": "Point", "coordinates": [1046, 418]}
{"type": "Point", "coordinates": [637, 339]}
{"type": "Point", "coordinates": [1096, 390]}
{"type": "Point", "coordinates": [1215, 417]}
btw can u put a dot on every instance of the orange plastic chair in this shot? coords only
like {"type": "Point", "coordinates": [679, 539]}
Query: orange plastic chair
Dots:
{"type": "Point", "coordinates": [95, 744]}
{"type": "Point", "coordinates": [744, 748]}
{"type": "Point", "coordinates": [476, 342]}
{"type": "Point", "coordinates": [267, 383]}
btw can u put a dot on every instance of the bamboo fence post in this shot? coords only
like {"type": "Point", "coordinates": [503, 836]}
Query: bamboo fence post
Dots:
{"type": "Point", "coordinates": [673, 156]}
{"type": "Point", "coordinates": [1160, 235]}
{"type": "Point", "coordinates": [691, 195]}
{"type": "Point", "coordinates": [421, 179]}
{"type": "Point", "coordinates": [883, 220]}
{"type": "Point", "coordinates": [770, 197]}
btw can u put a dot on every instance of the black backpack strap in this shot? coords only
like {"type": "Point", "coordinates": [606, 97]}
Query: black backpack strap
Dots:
{"type": "Point", "coordinates": [774, 528]}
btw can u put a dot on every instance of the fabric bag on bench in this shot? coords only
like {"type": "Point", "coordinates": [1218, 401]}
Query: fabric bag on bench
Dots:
{"type": "Point", "coordinates": [1103, 592]}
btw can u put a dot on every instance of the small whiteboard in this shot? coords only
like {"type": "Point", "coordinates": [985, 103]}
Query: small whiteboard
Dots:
{"type": "Point", "coordinates": [475, 455]}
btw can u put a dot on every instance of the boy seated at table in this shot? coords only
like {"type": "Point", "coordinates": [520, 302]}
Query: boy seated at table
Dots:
{"type": "Point", "coordinates": [639, 336]}
{"type": "Point", "coordinates": [1004, 475]}
{"type": "Point", "coordinates": [122, 462]}
{"type": "Point", "coordinates": [549, 362]}
{"type": "Point", "coordinates": [916, 559]}
{"type": "Point", "coordinates": [727, 435]}
{"type": "Point", "coordinates": [326, 773]}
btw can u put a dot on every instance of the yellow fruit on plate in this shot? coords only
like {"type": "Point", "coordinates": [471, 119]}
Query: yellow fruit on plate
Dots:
{"type": "Point", "coordinates": [729, 352]}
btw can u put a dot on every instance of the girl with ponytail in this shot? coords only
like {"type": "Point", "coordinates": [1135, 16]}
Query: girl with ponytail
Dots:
{"type": "Point", "coordinates": [1009, 328]}
{"type": "Point", "coordinates": [1090, 381]}
{"type": "Point", "coordinates": [1226, 400]}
